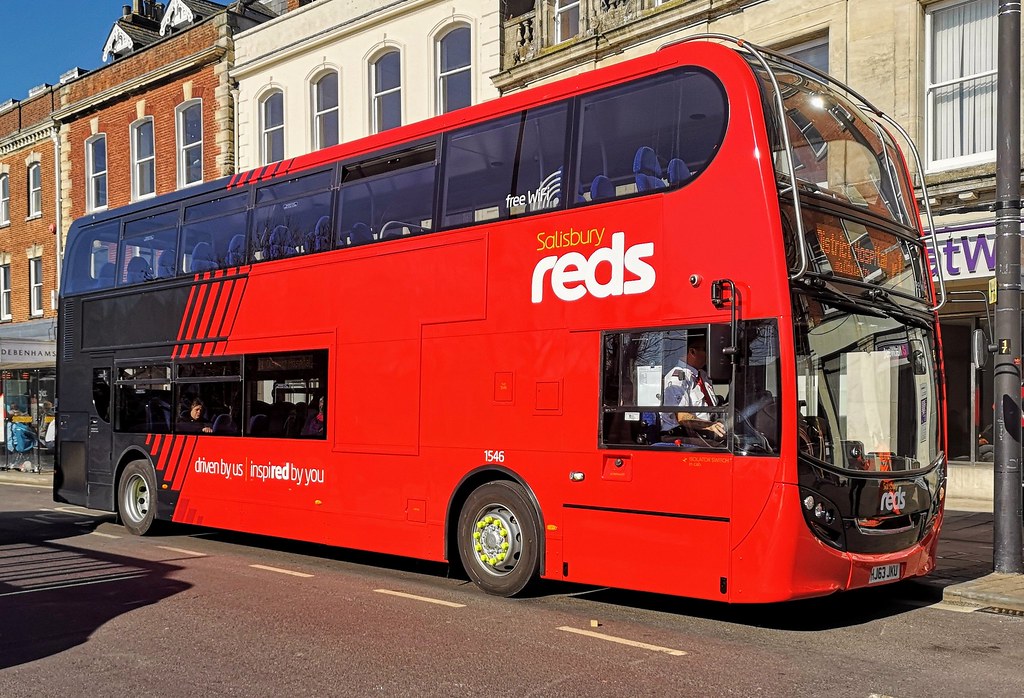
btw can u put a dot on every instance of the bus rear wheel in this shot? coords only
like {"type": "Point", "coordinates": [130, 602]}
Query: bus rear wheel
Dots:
{"type": "Point", "coordinates": [136, 497]}
{"type": "Point", "coordinates": [499, 538]}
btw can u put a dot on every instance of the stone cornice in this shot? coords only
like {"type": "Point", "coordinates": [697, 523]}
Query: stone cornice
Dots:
{"type": "Point", "coordinates": [209, 55]}
{"type": "Point", "coordinates": [30, 136]}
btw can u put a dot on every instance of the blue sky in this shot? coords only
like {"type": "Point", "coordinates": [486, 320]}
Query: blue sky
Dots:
{"type": "Point", "coordinates": [44, 38]}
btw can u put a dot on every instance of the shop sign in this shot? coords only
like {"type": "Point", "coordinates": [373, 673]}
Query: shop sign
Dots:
{"type": "Point", "coordinates": [13, 352]}
{"type": "Point", "coordinates": [965, 254]}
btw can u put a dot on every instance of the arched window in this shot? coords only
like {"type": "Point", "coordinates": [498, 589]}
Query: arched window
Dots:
{"type": "Point", "coordinates": [143, 159]}
{"type": "Point", "coordinates": [454, 70]}
{"type": "Point", "coordinates": [386, 91]}
{"type": "Point", "coordinates": [5, 199]}
{"type": "Point", "coordinates": [189, 128]}
{"type": "Point", "coordinates": [272, 127]}
{"type": "Point", "coordinates": [96, 172]}
{"type": "Point", "coordinates": [326, 121]}
{"type": "Point", "coordinates": [35, 189]}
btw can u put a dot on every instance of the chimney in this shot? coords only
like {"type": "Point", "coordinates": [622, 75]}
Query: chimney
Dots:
{"type": "Point", "coordinates": [126, 10]}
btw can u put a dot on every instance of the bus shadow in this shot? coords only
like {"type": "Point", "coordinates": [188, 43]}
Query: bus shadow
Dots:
{"type": "Point", "coordinates": [841, 610]}
{"type": "Point", "coordinates": [55, 595]}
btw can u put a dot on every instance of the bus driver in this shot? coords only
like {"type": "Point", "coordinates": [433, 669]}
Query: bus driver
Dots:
{"type": "Point", "coordinates": [688, 385]}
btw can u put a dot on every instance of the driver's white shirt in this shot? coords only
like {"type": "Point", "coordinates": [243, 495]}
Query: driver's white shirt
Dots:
{"type": "Point", "coordinates": [681, 388]}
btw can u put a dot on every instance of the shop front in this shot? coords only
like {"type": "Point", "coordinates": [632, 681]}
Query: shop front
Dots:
{"type": "Point", "coordinates": [28, 355]}
{"type": "Point", "coordinates": [966, 254]}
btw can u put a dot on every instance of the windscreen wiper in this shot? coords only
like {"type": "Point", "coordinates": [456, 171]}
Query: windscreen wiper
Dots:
{"type": "Point", "coordinates": [817, 286]}
{"type": "Point", "coordinates": [893, 309]}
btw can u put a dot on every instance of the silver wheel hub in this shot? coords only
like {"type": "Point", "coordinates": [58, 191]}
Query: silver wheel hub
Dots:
{"type": "Point", "coordinates": [497, 540]}
{"type": "Point", "coordinates": [136, 498]}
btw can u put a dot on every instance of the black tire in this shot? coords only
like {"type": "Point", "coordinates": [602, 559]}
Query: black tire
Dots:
{"type": "Point", "coordinates": [136, 497]}
{"type": "Point", "coordinates": [499, 538]}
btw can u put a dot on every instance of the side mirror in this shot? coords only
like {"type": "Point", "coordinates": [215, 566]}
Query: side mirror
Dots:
{"type": "Point", "coordinates": [979, 348]}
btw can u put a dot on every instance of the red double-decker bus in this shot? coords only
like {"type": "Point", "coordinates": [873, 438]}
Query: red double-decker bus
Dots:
{"type": "Point", "coordinates": [668, 325]}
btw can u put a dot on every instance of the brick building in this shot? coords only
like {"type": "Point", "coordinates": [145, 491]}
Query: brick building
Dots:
{"type": "Point", "coordinates": [29, 250]}
{"type": "Point", "coordinates": [159, 116]}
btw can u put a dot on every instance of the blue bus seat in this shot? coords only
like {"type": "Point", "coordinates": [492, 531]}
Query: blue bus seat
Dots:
{"type": "Point", "coordinates": [137, 271]}
{"type": "Point", "coordinates": [601, 188]}
{"type": "Point", "coordinates": [202, 258]}
{"type": "Point", "coordinates": [678, 171]}
{"type": "Point", "coordinates": [236, 251]}
{"type": "Point", "coordinates": [647, 170]}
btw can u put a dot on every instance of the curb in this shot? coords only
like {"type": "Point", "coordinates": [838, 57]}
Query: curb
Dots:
{"type": "Point", "coordinates": [1002, 593]}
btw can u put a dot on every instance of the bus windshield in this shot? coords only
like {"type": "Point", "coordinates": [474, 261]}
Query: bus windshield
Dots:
{"type": "Point", "coordinates": [866, 385]}
{"type": "Point", "coordinates": [839, 152]}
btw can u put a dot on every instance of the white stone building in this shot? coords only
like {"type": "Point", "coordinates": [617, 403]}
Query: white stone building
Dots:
{"type": "Point", "coordinates": [338, 70]}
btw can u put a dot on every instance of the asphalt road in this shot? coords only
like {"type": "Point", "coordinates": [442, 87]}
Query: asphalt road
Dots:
{"type": "Point", "coordinates": [88, 610]}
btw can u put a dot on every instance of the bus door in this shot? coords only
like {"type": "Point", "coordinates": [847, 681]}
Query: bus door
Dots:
{"type": "Point", "coordinates": [661, 490]}
{"type": "Point", "coordinates": [84, 432]}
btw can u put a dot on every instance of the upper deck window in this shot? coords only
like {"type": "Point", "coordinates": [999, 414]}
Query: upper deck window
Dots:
{"type": "Point", "coordinates": [838, 151]}
{"type": "Point", "coordinates": [650, 134]}
{"type": "Point", "coordinates": [292, 217]}
{"type": "Point", "coordinates": [148, 248]}
{"type": "Point", "coordinates": [387, 197]}
{"type": "Point", "coordinates": [214, 234]}
{"type": "Point", "coordinates": [91, 257]}
{"type": "Point", "coordinates": [506, 167]}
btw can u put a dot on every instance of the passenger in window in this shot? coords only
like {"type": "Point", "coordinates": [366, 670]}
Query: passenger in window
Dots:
{"type": "Point", "coordinates": [317, 420]}
{"type": "Point", "coordinates": [688, 385]}
{"type": "Point", "coordinates": [195, 421]}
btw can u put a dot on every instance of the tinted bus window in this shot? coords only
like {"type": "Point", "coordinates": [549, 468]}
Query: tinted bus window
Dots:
{"type": "Point", "coordinates": [293, 217]}
{"type": "Point", "coordinates": [387, 206]}
{"type": "Point", "coordinates": [505, 167]}
{"type": "Point", "coordinates": [144, 399]}
{"type": "Point", "coordinates": [91, 258]}
{"type": "Point", "coordinates": [649, 135]}
{"type": "Point", "coordinates": [214, 234]}
{"type": "Point", "coordinates": [286, 395]}
{"type": "Point", "coordinates": [209, 398]}
{"type": "Point", "coordinates": [148, 249]}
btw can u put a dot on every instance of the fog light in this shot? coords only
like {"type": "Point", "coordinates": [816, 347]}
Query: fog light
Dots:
{"type": "Point", "coordinates": [809, 502]}
{"type": "Point", "coordinates": [819, 511]}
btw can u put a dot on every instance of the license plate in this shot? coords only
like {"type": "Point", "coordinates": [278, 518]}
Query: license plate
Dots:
{"type": "Point", "coordinates": [884, 573]}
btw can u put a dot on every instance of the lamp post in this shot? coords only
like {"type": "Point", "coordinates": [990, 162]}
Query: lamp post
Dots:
{"type": "Point", "coordinates": [1007, 375]}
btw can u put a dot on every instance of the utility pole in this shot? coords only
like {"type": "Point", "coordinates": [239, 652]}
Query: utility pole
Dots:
{"type": "Point", "coordinates": [1007, 418]}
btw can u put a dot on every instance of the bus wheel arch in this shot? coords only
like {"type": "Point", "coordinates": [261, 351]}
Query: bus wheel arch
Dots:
{"type": "Point", "coordinates": [495, 528]}
{"type": "Point", "coordinates": [136, 498]}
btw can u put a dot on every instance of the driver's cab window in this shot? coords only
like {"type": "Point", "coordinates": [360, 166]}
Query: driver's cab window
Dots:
{"type": "Point", "coordinates": [671, 388]}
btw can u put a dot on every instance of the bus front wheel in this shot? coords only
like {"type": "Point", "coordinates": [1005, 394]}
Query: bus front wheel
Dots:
{"type": "Point", "coordinates": [499, 538]}
{"type": "Point", "coordinates": [136, 496]}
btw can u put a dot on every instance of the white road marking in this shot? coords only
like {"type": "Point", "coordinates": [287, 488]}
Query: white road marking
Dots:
{"type": "Point", "coordinates": [278, 569]}
{"type": "Point", "coordinates": [427, 599]}
{"type": "Point", "coordinates": [81, 512]}
{"type": "Point", "coordinates": [182, 551]}
{"type": "Point", "coordinates": [623, 641]}
{"type": "Point", "coordinates": [22, 484]}
{"type": "Point", "coordinates": [102, 535]}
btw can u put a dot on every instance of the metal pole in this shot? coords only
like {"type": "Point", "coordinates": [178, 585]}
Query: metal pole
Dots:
{"type": "Point", "coordinates": [1007, 418]}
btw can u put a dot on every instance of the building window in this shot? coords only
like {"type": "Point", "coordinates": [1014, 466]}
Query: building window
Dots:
{"type": "Point", "coordinates": [190, 142]}
{"type": "Point", "coordinates": [814, 53]}
{"type": "Point", "coordinates": [454, 70]}
{"type": "Point", "coordinates": [5, 292]}
{"type": "Point", "coordinates": [386, 84]}
{"type": "Point", "coordinates": [96, 169]}
{"type": "Point", "coordinates": [143, 159]}
{"type": "Point", "coordinates": [272, 128]}
{"type": "Point", "coordinates": [567, 19]}
{"type": "Point", "coordinates": [326, 121]}
{"type": "Point", "coordinates": [35, 274]}
{"type": "Point", "coordinates": [35, 190]}
{"type": "Point", "coordinates": [961, 83]}
{"type": "Point", "coordinates": [5, 199]}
